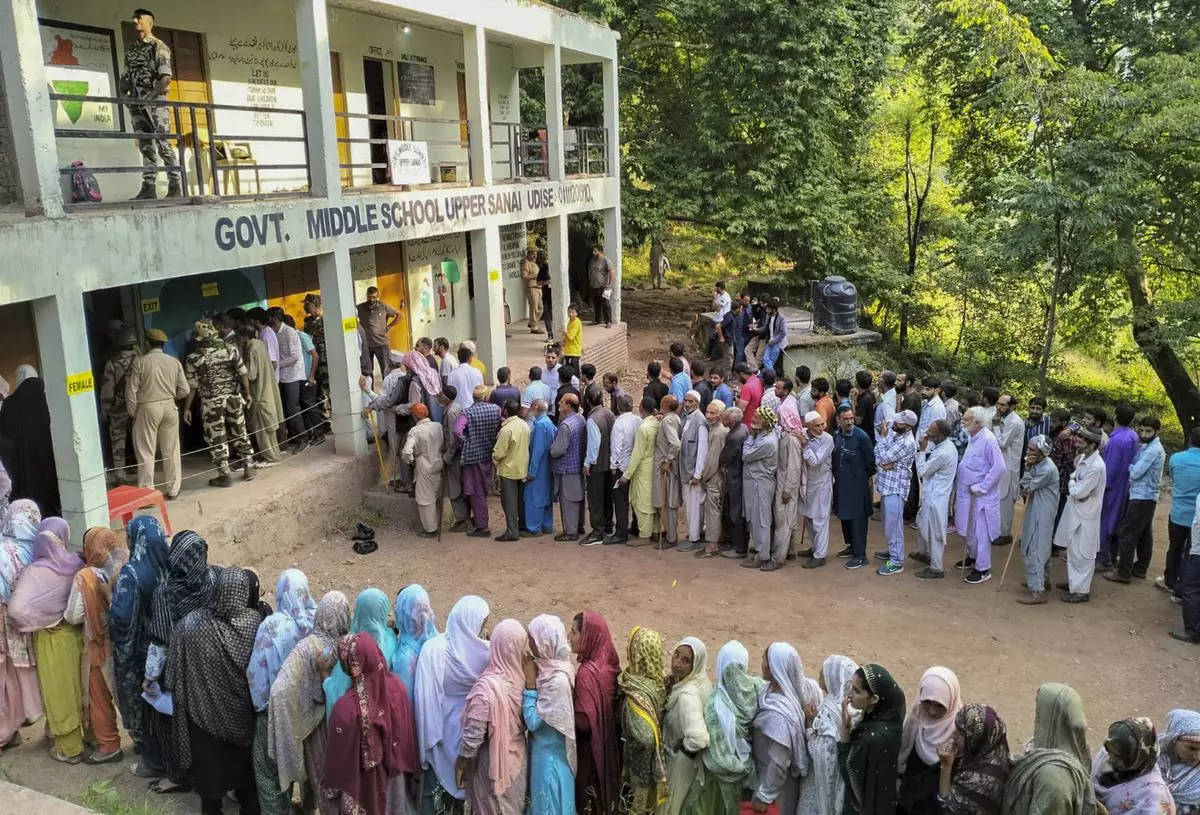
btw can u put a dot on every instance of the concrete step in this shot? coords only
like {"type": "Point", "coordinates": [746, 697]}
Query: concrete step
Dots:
{"type": "Point", "coordinates": [395, 506]}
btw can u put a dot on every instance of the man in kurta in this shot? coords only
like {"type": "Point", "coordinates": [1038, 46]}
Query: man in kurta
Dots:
{"type": "Point", "coordinates": [452, 485]}
{"type": "Point", "coordinates": [981, 482]}
{"type": "Point", "coordinates": [1079, 528]}
{"type": "Point", "coordinates": [712, 478]}
{"type": "Point", "coordinates": [511, 457]}
{"type": "Point", "coordinates": [1009, 429]}
{"type": "Point", "coordinates": [789, 491]}
{"type": "Point", "coordinates": [477, 428]}
{"type": "Point", "coordinates": [566, 462]}
{"type": "Point", "coordinates": [423, 451]}
{"type": "Point", "coordinates": [937, 462]}
{"type": "Point", "coordinates": [1118, 455]}
{"type": "Point", "coordinates": [693, 452]}
{"type": "Point", "coordinates": [760, 457]}
{"type": "Point", "coordinates": [640, 474]}
{"type": "Point", "coordinates": [733, 514]}
{"type": "Point", "coordinates": [539, 483]}
{"type": "Point", "coordinates": [853, 466]}
{"type": "Point", "coordinates": [1039, 488]}
{"type": "Point", "coordinates": [666, 493]}
{"type": "Point", "coordinates": [894, 457]}
{"type": "Point", "coordinates": [818, 488]}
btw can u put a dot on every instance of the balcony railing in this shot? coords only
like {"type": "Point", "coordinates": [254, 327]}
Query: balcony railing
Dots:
{"type": "Point", "coordinates": [585, 150]}
{"type": "Point", "coordinates": [522, 150]}
{"type": "Point", "coordinates": [222, 161]}
{"type": "Point", "coordinates": [363, 144]}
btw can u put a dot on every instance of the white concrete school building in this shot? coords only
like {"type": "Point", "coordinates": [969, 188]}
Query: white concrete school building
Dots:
{"type": "Point", "coordinates": [325, 145]}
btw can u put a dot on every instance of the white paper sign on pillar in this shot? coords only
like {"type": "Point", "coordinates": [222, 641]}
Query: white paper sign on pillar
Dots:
{"type": "Point", "coordinates": [408, 162]}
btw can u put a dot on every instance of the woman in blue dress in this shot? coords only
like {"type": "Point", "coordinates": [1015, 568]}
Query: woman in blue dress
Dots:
{"type": "Point", "coordinates": [549, 710]}
{"type": "Point", "coordinates": [371, 610]}
{"type": "Point", "coordinates": [416, 623]}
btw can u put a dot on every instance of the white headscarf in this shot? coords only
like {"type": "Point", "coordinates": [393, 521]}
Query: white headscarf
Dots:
{"type": "Point", "coordinates": [781, 711]}
{"type": "Point", "coordinates": [698, 679]}
{"type": "Point", "coordinates": [731, 653]}
{"type": "Point", "coordinates": [464, 656]}
{"type": "Point", "coordinates": [555, 679]}
{"type": "Point", "coordinates": [838, 672]}
{"type": "Point", "coordinates": [25, 372]}
{"type": "Point", "coordinates": [429, 697]}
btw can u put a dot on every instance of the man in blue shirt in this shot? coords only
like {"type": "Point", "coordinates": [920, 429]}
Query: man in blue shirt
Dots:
{"type": "Point", "coordinates": [536, 389]}
{"type": "Point", "coordinates": [681, 383]}
{"type": "Point", "coordinates": [1185, 486]}
{"type": "Point", "coordinates": [1135, 534]}
{"type": "Point", "coordinates": [720, 390]}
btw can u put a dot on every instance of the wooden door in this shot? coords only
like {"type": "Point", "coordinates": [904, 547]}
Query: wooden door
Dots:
{"type": "Point", "coordinates": [189, 68]}
{"type": "Point", "coordinates": [288, 282]}
{"type": "Point", "coordinates": [392, 280]}
{"type": "Point", "coordinates": [342, 124]}
{"type": "Point", "coordinates": [463, 129]}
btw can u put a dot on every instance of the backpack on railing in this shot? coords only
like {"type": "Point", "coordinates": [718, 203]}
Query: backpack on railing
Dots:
{"type": "Point", "coordinates": [85, 189]}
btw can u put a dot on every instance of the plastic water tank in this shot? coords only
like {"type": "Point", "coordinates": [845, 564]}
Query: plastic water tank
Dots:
{"type": "Point", "coordinates": [835, 305]}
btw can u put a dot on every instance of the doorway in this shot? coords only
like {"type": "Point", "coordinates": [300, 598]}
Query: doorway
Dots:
{"type": "Point", "coordinates": [378, 85]}
{"type": "Point", "coordinates": [341, 123]}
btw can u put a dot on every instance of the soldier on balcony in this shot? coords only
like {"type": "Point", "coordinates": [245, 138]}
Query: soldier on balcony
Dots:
{"type": "Point", "coordinates": [147, 76]}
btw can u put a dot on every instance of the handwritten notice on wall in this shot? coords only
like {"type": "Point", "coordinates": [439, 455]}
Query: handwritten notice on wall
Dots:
{"type": "Point", "coordinates": [408, 162]}
{"type": "Point", "coordinates": [416, 81]}
{"type": "Point", "coordinates": [512, 249]}
{"type": "Point", "coordinates": [260, 65]}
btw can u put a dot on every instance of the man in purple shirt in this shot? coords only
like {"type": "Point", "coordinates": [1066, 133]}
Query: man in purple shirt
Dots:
{"type": "Point", "coordinates": [1118, 455]}
{"type": "Point", "coordinates": [258, 319]}
{"type": "Point", "coordinates": [982, 478]}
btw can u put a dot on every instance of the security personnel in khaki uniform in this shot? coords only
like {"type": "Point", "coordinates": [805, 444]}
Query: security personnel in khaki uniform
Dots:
{"type": "Point", "coordinates": [156, 382]}
{"type": "Point", "coordinates": [112, 398]}
{"type": "Point", "coordinates": [213, 370]}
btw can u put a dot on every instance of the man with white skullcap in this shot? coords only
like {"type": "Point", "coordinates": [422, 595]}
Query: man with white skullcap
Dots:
{"type": "Point", "coordinates": [693, 453]}
{"type": "Point", "coordinates": [1039, 488]}
{"type": "Point", "coordinates": [818, 492]}
{"type": "Point", "coordinates": [894, 457]}
{"type": "Point", "coordinates": [937, 463]}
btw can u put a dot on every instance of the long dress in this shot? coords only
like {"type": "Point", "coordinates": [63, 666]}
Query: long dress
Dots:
{"type": "Point", "coordinates": [598, 771]}
{"type": "Point", "coordinates": [684, 731]}
{"type": "Point", "coordinates": [267, 410]}
{"type": "Point", "coordinates": [824, 789]}
{"type": "Point", "coordinates": [26, 447]}
{"type": "Point", "coordinates": [868, 760]}
{"type": "Point", "coordinates": [539, 489]}
{"type": "Point", "coordinates": [729, 716]}
{"type": "Point", "coordinates": [641, 476]}
{"type": "Point", "coordinates": [19, 697]}
{"type": "Point", "coordinates": [549, 714]}
{"type": "Point", "coordinates": [1079, 527]}
{"type": "Point", "coordinates": [643, 685]}
{"type": "Point", "coordinates": [551, 784]}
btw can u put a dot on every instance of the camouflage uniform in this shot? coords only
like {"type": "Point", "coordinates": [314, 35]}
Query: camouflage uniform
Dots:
{"type": "Point", "coordinates": [145, 61]}
{"type": "Point", "coordinates": [315, 328]}
{"type": "Point", "coordinates": [112, 405]}
{"type": "Point", "coordinates": [215, 369]}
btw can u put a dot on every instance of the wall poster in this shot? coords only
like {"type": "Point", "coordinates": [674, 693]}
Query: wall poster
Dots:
{"type": "Point", "coordinates": [81, 60]}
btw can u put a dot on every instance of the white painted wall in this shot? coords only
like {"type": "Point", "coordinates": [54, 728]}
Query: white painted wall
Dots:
{"type": "Point", "coordinates": [438, 308]}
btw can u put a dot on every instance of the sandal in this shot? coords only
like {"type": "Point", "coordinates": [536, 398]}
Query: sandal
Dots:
{"type": "Point", "coordinates": [98, 757]}
{"type": "Point", "coordinates": [708, 553]}
{"type": "Point", "coordinates": [63, 758]}
{"type": "Point", "coordinates": [565, 538]}
{"type": "Point", "coordinates": [159, 787]}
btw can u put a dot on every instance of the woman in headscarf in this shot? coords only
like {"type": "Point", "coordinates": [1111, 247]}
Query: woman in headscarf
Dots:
{"type": "Point", "coordinates": [929, 725]}
{"type": "Point", "coordinates": [425, 386]}
{"type": "Point", "coordinates": [266, 408]}
{"type": "Point", "coordinates": [88, 606]}
{"type": "Point", "coordinates": [644, 690]}
{"type": "Point", "coordinates": [189, 587]}
{"type": "Point", "coordinates": [1051, 778]}
{"type": "Point", "coordinates": [868, 756]}
{"type": "Point", "coordinates": [20, 701]}
{"type": "Point", "coordinates": [128, 625]}
{"type": "Point", "coordinates": [491, 757]}
{"type": "Point", "coordinates": [1125, 771]}
{"type": "Point", "coordinates": [683, 728]}
{"type": "Point", "coordinates": [25, 443]}
{"type": "Point", "coordinates": [728, 715]}
{"type": "Point", "coordinates": [371, 610]}
{"type": "Point", "coordinates": [779, 747]}
{"type": "Point", "coordinates": [549, 710]}
{"type": "Point", "coordinates": [37, 607]}
{"type": "Point", "coordinates": [975, 764]}
{"type": "Point", "coordinates": [1179, 759]}
{"type": "Point", "coordinates": [371, 740]}
{"type": "Point", "coordinates": [598, 772]}
{"type": "Point", "coordinates": [824, 789]}
{"type": "Point", "coordinates": [446, 671]}
{"type": "Point", "coordinates": [296, 712]}
{"type": "Point", "coordinates": [277, 635]}
{"type": "Point", "coordinates": [417, 624]}
{"type": "Point", "coordinates": [213, 721]}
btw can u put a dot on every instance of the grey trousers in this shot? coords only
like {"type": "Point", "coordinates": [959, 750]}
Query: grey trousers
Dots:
{"type": "Point", "coordinates": [572, 511]}
{"type": "Point", "coordinates": [512, 493]}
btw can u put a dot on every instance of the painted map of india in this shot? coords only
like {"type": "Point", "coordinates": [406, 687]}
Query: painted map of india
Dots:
{"type": "Point", "coordinates": [64, 54]}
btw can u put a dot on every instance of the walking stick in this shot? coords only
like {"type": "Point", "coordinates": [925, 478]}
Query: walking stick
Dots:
{"type": "Point", "coordinates": [375, 430]}
{"type": "Point", "coordinates": [1007, 561]}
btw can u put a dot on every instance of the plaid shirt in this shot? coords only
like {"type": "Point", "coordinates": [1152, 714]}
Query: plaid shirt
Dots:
{"type": "Point", "coordinates": [899, 451]}
{"type": "Point", "coordinates": [481, 425]}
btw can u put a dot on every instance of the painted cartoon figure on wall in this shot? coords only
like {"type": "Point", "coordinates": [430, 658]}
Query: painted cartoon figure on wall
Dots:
{"type": "Point", "coordinates": [426, 305]}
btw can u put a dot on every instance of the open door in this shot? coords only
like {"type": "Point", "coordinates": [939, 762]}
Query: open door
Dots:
{"type": "Point", "coordinates": [392, 280]}
{"type": "Point", "coordinates": [341, 123]}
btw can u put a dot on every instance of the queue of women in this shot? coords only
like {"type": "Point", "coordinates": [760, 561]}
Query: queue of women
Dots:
{"type": "Point", "coordinates": [373, 710]}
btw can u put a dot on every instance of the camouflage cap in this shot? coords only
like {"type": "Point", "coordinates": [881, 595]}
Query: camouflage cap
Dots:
{"type": "Point", "coordinates": [204, 330]}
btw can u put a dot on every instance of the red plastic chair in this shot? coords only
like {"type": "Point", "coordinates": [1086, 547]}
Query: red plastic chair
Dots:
{"type": "Point", "coordinates": [123, 502]}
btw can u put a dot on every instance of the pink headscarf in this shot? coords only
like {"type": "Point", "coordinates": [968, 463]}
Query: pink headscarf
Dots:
{"type": "Point", "coordinates": [496, 698]}
{"type": "Point", "coordinates": [419, 366]}
{"type": "Point", "coordinates": [789, 416]}
{"type": "Point", "coordinates": [555, 679]}
{"type": "Point", "coordinates": [922, 733]}
{"type": "Point", "coordinates": [40, 597]}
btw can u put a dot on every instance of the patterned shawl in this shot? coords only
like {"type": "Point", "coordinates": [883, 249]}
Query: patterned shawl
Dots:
{"type": "Point", "coordinates": [837, 672]}
{"type": "Point", "coordinates": [870, 759]}
{"type": "Point", "coordinates": [417, 624]}
{"type": "Point", "coordinates": [644, 684]}
{"type": "Point", "coordinates": [728, 715]}
{"type": "Point", "coordinates": [1132, 749]}
{"type": "Point", "coordinates": [19, 528]}
{"type": "Point", "coordinates": [371, 610]}
{"type": "Point", "coordinates": [977, 787]}
{"type": "Point", "coordinates": [278, 634]}
{"type": "Point", "coordinates": [1183, 779]}
{"type": "Point", "coordinates": [189, 585]}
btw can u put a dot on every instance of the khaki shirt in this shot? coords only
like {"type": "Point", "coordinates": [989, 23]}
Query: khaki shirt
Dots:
{"type": "Point", "coordinates": [155, 377]}
{"type": "Point", "coordinates": [529, 273]}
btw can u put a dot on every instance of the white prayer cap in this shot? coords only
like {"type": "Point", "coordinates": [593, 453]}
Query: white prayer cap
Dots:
{"type": "Point", "coordinates": [1042, 444]}
{"type": "Point", "coordinates": [693, 394]}
{"type": "Point", "coordinates": [468, 344]}
{"type": "Point", "coordinates": [720, 405]}
{"type": "Point", "coordinates": [906, 417]}
{"type": "Point", "coordinates": [813, 416]}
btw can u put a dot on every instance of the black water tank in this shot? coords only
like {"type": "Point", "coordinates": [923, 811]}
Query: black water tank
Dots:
{"type": "Point", "coordinates": [835, 305]}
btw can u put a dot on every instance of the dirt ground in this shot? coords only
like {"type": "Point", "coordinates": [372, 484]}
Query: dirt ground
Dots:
{"type": "Point", "coordinates": [1114, 651]}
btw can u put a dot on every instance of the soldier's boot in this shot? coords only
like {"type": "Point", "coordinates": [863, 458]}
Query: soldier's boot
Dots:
{"type": "Point", "coordinates": [174, 189]}
{"type": "Point", "coordinates": [222, 480]}
{"type": "Point", "coordinates": [148, 192]}
{"type": "Point", "coordinates": [249, 476]}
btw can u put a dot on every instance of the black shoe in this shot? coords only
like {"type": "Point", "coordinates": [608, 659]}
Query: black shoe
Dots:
{"type": "Point", "coordinates": [752, 564]}
{"type": "Point", "coordinates": [845, 554]}
{"type": "Point", "coordinates": [318, 440]}
{"type": "Point", "coordinates": [733, 554]}
{"type": "Point", "coordinates": [1076, 598]}
{"type": "Point", "coordinates": [525, 533]}
{"type": "Point", "coordinates": [424, 534]}
{"type": "Point", "coordinates": [1182, 636]}
{"type": "Point", "coordinates": [249, 474]}
{"type": "Point", "coordinates": [805, 553]}
{"type": "Point", "coordinates": [148, 192]}
{"type": "Point", "coordinates": [1063, 586]}
{"type": "Point", "coordinates": [814, 563]}
{"type": "Point", "coordinates": [615, 540]}
{"type": "Point", "coordinates": [592, 540]}
{"type": "Point", "coordinates": [1003, 540]}
{"type": "Point", "coordinates": [363, 532]}
{"type": "Point", "coordinates": [223, 480]}
{"type": "Point", "coordinates": [976, 577]}
{"type": "Point", "coordinates": [883, 556]}
{"type": "Point", "coordinates": [770, 566]}
{"type": "Point", "coordinates": [920, 557]}
{"type": "Point", "coordinates": [689, 546]}
{"type": "Point", "coordinates": [965, 565]}
{"type": "Point", "coordinates": [856, 562]}
{"type": "Point", "coordinates": [174, 190]}
{"type": "Point", "coordinates": [507, 537]}
{"type": "Point", "coordinates": [459, 526]}
{"type": "Point", "coordinates": [480, 533]}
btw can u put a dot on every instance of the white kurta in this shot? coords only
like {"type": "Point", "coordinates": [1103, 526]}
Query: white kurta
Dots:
{"type": "Point", "coordinates": [1010, 435]}
{"type": "Point", "coordinates": [1079, 528]}
{"type": "Point", "coordinates": [818, 491]}
{"type": "Point", "coordinates": [936, 467]}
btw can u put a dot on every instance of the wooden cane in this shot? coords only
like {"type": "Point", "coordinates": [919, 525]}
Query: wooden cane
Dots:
{"type": "Point", "coordinates": [1007, 561]}
{"type": "Point", "coordinates": [375, 431]}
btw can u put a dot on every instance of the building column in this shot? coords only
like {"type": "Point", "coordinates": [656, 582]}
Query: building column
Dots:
{"type": "Point", "coordinates": [316, 82]}
{"type": "Point", "coordinates": [29, 109]}
{"type": "Point", "coordinates": [552, 78]}
{"type": "Point", "coordinates": [489, 297]}
{"type": "Point", "coordinates": [479, 126]}
{"type": "Point", "coordinates": [612, 217]}
{"type": "Point", "coordinates": [341, 345]}
{"type": "Point", "coordinates": [66, 370]}
{"type": "Point", "coordinates": [612, 251]}
{"type": "Point", "coordinates": [558, 256]}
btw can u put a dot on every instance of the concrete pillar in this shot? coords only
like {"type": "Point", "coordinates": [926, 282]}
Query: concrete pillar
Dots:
{"type": "Point", "coordinates": [341, 344]}
{"type": "Point", "coordinates": [489, 298]}
{"type": "Point", "coordinates": [316, 81]}
{"type": "Point", "coordinates": [612, 119]}
{"type": "Point", "coordinates": [66, 369]}
{"type": "Point", "coordinates": [557, 254]}
{"type": "Point", "coordinates": [612, 250]}
{"type": "Point", "coordinates": [30, 110]}
{"type": "Point", "coordinates": [479, 126]}
{"type": "Point", "coordinates": [552, 77]}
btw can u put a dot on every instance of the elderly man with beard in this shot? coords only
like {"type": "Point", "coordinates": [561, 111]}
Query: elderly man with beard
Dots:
{"type": "Point", "coordinates": [539, 482]}
{"type": "Point", "coordinates": [712, 478]}
{"type": "Point", "coordinates": [789, 488]}
{"type": "Point", "coordinates": [981, 481]}
{"type": "Point", "coordinates": [423, 451]}
{"type": "Point", "coordinates": [818, 493]}
{"type": "Point", "coordinates": [760, 457]}
{"type": "Point", "coordinates": [665, 491]}
{"type": "Point", "coordinates": [1009, 429]}
{"type": "Point", "coordinates": [733, 513]}
{"type": "Point", "coordinates": [894, 458]}
{"type": "Point", "coordinates": [566, 462]}
{"type": "Point", "coordinates": [1039, 488]}
{"type": "Point", "coordinates": [937, 461]}
{"type": "Point", "coordinates": [1079, 528]}
{"type": "Point", "coordinates": [693, 453]}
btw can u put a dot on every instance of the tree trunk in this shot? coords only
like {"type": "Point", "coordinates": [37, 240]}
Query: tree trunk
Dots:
{"type": "Point", "coordinates": [1052, 308]}
{"type": "Point", "coordinates": [656, 254]}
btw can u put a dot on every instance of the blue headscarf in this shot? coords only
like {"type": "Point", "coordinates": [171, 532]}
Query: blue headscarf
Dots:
{"type": "Point", "coordinates": [279, 633]}
{"type": "Point", "coordinates": [19, 528]}
{"type": "Point", "coordinates": [417, 623]}
{"type": "Point", "coordinates": [146, 567]}
{"type": "Point", "coordinates": [371, 611]}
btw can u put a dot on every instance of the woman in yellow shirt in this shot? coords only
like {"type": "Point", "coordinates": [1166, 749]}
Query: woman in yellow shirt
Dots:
{"type": "Point", "coordinates": [573, 339]}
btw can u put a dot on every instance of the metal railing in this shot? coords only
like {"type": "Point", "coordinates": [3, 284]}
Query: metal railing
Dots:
{"type": "Point", "coordinates": [585, 150]}
{"type": "Point", "coordinates": [526, 153]}
{"type": "Point", "coordinates": [404, 128]}
{"type": "Point", "coordinates": [192, 125]}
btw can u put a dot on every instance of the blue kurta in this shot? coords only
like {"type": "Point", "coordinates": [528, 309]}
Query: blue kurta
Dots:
{"type": "Point", "coordinates": [1118, 455]}
{"type": "Point", "coordinates": [539, 489]}
{"type": "Point", "coordinates": [853, 466]}
{"type": "Point", "coordinates": [551, 782]}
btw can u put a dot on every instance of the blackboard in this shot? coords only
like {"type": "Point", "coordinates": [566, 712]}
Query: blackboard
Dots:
{"type": "Point", "coordinates": [416, 84]}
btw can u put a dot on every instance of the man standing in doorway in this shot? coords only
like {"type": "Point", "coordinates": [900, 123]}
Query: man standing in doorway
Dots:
{"type": "Point", "coordinates": [377, 317]}
{"type": "Point", "coordinates": [533, 291]}
{"type": "Point", "coordinates": [214, 371]}
{"type": "Point", "coordinates": [601, 278]}
{"type": "Point", "coordinates": [147, 77]}
{"type": "Point", "coordinates": [156, 383]}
